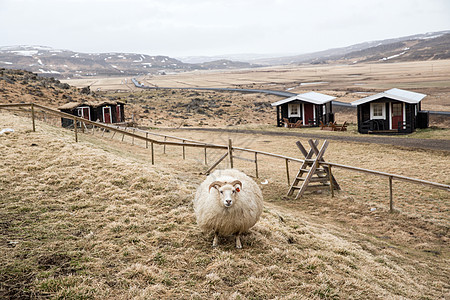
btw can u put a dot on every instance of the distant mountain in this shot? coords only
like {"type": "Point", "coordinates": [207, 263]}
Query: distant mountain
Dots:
{"type": "Point", "coordinates": [432, 45]}
{"type": "Point", "coordinates": [69, 64]}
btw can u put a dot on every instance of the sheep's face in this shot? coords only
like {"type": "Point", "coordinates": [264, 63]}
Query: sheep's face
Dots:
{"type": "Point", "coordinates": [227, 191]}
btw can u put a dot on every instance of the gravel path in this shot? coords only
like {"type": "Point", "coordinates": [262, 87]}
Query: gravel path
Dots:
{"type": "Point", "coordinates": [427, 144]}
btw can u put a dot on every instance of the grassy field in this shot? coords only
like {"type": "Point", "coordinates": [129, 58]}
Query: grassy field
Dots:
{"type": "Point", "coordinates": [95, 220]}
{"type": "Point", "coordinates": [347, 82]}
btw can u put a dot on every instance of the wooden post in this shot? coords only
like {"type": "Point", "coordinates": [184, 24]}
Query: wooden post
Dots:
{"type": "Point", "coordinates": [132, 140]}
{"type": "Point", "coordinates": [287, 171]}
{"type": "Point", "coordinates": [391, 204]}
{"type": "Point", "coordinates": [146, 142]}
{"type": "Point", "coordinates": [256, 164]}
{"type": "Point", "coordinates": [184, 150]}
{"type": "Point", "coordinates": [123, 135]}
{"type": "Point", "coordinates": [32, 117]}
{"type": "Point", "coordinates": [165, 138]}
{"type": "Point", "coordinates": [153, 153]}
{"type": "Point", "coordinates": [206, 161]}
{"type": "Point", "coordinates": [330, 178]}
{"type": "Point", "coordinates": [230, 152]}
{"type": "Point", "coordinates": [103, 133]}
{"type": "Point", "coordinates": [75, 126]}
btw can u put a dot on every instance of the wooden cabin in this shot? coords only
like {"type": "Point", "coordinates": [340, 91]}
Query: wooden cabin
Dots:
{"type": "Point", "coordinates": [308, 108]}
{"type": "Point", "coordinates": [392, 111]}
{"type": "Point", "coordinates": [102, 111]}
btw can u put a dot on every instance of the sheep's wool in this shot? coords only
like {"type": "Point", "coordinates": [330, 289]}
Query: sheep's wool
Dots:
{"type": "Point", "coordinates": [213, 216]}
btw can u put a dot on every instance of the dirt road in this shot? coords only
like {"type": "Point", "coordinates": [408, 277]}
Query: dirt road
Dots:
{"type": "Point", "coordinates": [427, 144]}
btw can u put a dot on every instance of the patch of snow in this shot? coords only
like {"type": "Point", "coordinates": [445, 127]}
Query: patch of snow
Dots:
{"type": "Point", "coordinates": [6, 62]}
{"type": "Point", "coordinates": [40, 62]}
{"type": "Point", "coordinates": [430, 37]}
{"type": "Point", "coordinates": [393, 56]}
{"type": "Point", "coordinates": [313, 83]}
{"type": "Point", "coordinates": [140, 59]}
{"type": "Point", "coordinates": [65, 66]}
{"type": "Point", "coordinates": [49, 72]}
{"type": "Point", "coordinates": [25, 52]}
{"type": "Point", "coordinates": [7, 131]}
{"type": "Point", "coordinates": [148, 64]}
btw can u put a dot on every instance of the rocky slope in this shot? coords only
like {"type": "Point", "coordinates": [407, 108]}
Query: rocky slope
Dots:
{"type": "Point", "coordinates": [69, 64]}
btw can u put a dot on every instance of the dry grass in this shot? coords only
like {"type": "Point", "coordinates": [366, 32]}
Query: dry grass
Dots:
{"type": "Point", "coordinates": [95, 220]}
{"type": "Point", "coordinates": [347, 82]}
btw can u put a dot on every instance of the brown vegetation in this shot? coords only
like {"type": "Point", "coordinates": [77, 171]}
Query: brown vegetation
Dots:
{"type": "Point", "coordinates": [95, 220]}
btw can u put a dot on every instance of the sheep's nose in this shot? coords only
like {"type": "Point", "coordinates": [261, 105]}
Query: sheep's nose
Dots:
{"type": "Point", "coordinates": [228, 202]}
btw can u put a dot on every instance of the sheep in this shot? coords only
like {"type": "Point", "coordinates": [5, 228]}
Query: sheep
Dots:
{"type": "Point", "coordinates": [228, 202]}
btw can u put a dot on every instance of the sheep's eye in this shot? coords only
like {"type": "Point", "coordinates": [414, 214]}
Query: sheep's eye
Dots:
{"type": "Point", "coordinates": [234, 192]}
{"type": "Point", "coordinates": [221, 192]}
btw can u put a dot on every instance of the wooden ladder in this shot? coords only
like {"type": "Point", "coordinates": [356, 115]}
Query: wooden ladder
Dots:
{"type": "Point", "coordinates": [310, 168]}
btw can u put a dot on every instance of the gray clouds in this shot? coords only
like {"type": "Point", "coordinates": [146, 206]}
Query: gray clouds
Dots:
{"type": "Point", "coordinates": [200, 27]}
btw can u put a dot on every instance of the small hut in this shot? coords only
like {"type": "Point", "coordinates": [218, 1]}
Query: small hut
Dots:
{"type": "Point", "coordinates": [103, 111]}
{"type": "Point", "coordinates": [392, 111]}
{"type": "Point", "coordinates": [308, 108]}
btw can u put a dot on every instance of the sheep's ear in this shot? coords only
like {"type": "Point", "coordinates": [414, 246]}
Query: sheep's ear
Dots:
{"type": "Point", "coordinates": [237, 184]}
{"type": "Point", "coordinates": [215, 184]}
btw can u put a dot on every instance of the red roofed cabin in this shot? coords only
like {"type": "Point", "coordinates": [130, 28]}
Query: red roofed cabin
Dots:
{"type": "Point", "coordinates": [103, 111]}
{"type": "Point", "coordinates": [392, 111]}
{"type": "Point", "coordinates": [308, 108]}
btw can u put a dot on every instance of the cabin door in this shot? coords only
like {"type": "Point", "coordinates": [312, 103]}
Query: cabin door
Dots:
{"type": "Point", "coordinates": [84, 112]}
{"type": "Point", "coordinates": [308, 113]}
{"type": "Point", "coordinates": [118, 116]}
{"type": "Point", "coordinates": [397, 114]}
{"type": "Point", "coordinates": [107, 114]}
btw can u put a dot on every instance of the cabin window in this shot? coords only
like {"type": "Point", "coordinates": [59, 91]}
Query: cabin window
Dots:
{"type": "Point", "coordinates": [294, 110]}
{"type": "Point", "coordinates": [377, 111]}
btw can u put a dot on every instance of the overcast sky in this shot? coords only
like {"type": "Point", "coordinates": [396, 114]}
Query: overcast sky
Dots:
{"type": "Point", "coordinates": [214, 27]}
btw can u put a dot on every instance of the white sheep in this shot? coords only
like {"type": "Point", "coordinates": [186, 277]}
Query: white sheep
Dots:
{"type": "Point", "coordinates": [228, 202]}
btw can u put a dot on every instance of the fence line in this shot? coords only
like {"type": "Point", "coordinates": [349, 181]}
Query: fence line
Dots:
{"type": "Point", "coordinates": [229, 148]}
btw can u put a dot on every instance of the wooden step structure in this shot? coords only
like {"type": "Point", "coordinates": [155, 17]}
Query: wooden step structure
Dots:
{"type": "Point", "coordinates": [313, 171]}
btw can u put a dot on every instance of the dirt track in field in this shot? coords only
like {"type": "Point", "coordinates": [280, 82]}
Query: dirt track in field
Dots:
{"type": "Point", "coordinates": [426, 144]}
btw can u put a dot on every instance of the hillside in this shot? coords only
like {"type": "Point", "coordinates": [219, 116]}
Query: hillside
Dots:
{"type": "Point", "coordinates": [67, 232]}
{"type": "Point", "coordinates": [47, 61]}
{"type": "Point", "coordinates": [420, 47]}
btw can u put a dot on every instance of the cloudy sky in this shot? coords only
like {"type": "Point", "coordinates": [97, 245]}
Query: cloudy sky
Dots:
{"type": "Point", "coordinates": [214, 27]}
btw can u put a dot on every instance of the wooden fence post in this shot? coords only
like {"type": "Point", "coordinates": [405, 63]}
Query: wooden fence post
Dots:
{"type": "Point", "coordinates": [32, 117]}
{"type": "Point", "coordinates": [287, 171]}
{"type": "Point", "coordinates": [75, 126]}
{"type": "Point", "coordinates": [132, 140]}
{"type": "Point", "coordinates": [206, 161]}
{"type": "Point", "coordinates": [256, 164]}
{"type": "Point", "coordinates": [153, 154]}
{"type": "Point", "coordinates": [230, 152]}
{"type": "Point", "coordinates": [165, 138]}
{"type": "Point", "coordinates": [184, 150]}
{"type": "Point", "coordinates": [146, 142]}
{"type": "Point", "coordinates": [330, 178]}
{"type": "Point", "coordinates": [391, 204]}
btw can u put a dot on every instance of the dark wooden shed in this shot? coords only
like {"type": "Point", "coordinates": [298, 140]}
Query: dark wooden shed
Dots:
{"type": "Point", "coordinates": [309, 108]}
{"type": "Point", "coordinates": [102, 111]}
{"type": "Point", "coordinates": [392, 111]}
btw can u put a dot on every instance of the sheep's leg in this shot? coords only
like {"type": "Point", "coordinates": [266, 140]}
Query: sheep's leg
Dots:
{"type": "Point", "coordinates": [216, 240]}
{"type": "Point", "coordinates": [238, 241]}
